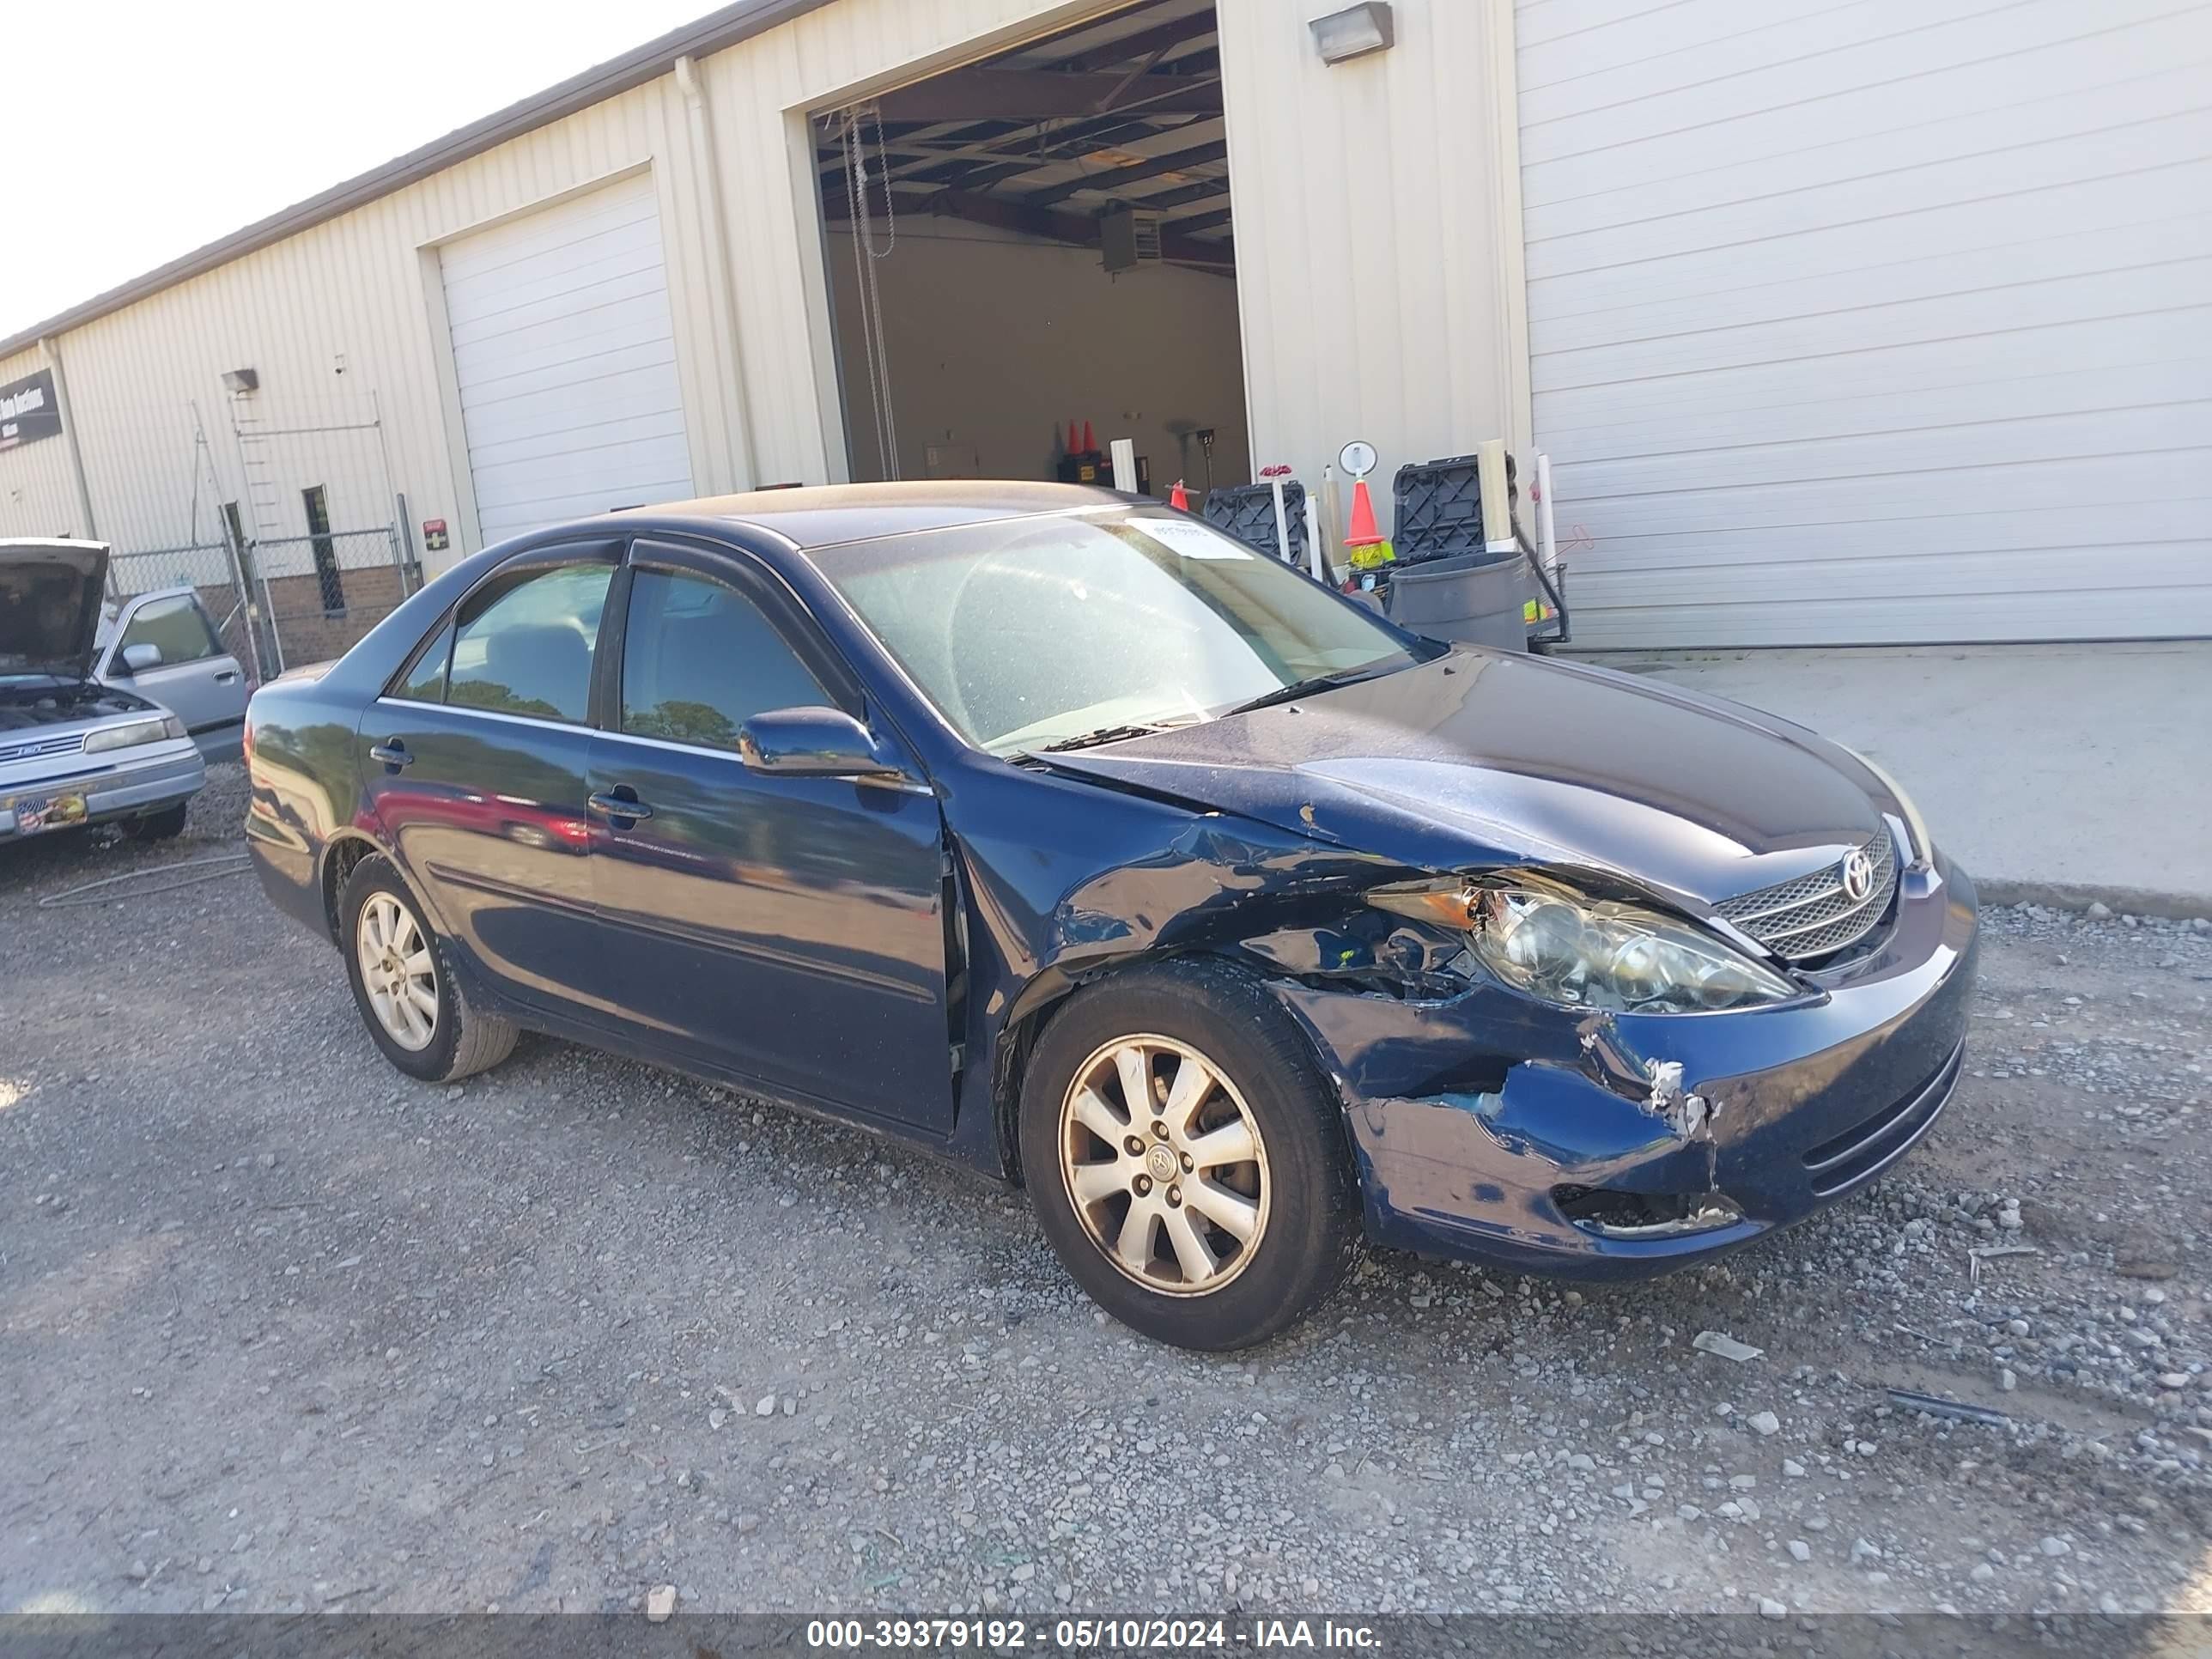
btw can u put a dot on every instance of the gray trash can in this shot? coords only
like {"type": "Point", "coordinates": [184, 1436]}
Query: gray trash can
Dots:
{"type": "Point", "coordinates": [1470, 596]}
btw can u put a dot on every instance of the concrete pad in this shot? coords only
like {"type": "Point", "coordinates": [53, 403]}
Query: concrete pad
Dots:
{"type": "Point", "coordinates": [2057, 772]}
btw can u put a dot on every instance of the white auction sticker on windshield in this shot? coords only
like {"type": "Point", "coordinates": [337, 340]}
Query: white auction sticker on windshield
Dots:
{"type": "Point", "coordinates": [1192, 541]}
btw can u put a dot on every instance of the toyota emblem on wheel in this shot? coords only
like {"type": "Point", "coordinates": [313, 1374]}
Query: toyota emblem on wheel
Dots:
{"type": "Point", "coordinates": [1858, 875]}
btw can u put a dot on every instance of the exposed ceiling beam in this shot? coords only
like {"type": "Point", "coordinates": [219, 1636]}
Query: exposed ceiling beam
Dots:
{"type": "Point", "coordinates": [989, 94]}
{"type": "Point", "coordinates": [1023, 151]}
{"type": "Point", "coordinates": [1161, 37]}
{"type": "Point", "coordinates": [1198, 221]}
{"type": "Point", "coordinates": [1048, 224]}
{"type": "Point", "coordinates": [1073, 141]}
{"type": "Point", "coordinates": [1116, 178]}
{"type": "Point", "coordinates": [1193, 192]}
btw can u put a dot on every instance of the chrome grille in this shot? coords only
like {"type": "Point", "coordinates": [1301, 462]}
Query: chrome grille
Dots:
{"type": "Point", "coordinates": [1810, 916]}
{"type": "Point", "coordinates": [40, 747]}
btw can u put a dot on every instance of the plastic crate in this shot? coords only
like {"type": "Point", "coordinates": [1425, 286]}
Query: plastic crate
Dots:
{"type": "Point", "coordinates": [1247, 513]}
{"type": "Point", "coordinates": [1439, 509]}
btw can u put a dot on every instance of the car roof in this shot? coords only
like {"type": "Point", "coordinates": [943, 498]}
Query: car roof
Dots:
{"type": "Point", "coordinates": [820, 516]}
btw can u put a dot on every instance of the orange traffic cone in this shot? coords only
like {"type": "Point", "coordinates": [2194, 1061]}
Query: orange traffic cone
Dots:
{"type": "Point", "coordinates": [1178, 497]}
{"type": "Point", "coordinates": [1072, 447]}
{"type": "Point", "coordinates": [1362, 532]}
{"type": "Point", "coordinates": [1090, 443]}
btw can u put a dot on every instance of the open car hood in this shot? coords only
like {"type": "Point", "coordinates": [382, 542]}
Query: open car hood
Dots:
{"type": "Point", "coordinates": [1479, 758]}
{"type": "Point", "coordinates": [50, 598]}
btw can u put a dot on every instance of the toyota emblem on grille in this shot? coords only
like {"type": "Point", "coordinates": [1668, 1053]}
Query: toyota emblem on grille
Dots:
{"type": "Point", "coordinates": [1858, 874]}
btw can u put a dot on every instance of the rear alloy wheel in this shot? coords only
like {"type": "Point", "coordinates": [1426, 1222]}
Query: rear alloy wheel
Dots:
{"type": "Point", "coordinates": [398, 971]}
{"type": "Point", "coordinates": [404, 983]}
{"type": "Point", "coordinates": [1186, 1156]}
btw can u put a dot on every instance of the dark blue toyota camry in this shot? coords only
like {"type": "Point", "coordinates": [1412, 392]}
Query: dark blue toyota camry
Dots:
{"type": "Point", "coordinates": [1089, 848]}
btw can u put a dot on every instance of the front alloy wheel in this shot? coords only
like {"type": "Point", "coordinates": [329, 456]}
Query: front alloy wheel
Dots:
{"type": "Point", "coordinates": [1186, 1154]}
{"type": "Point", "coordinates": [1164, 1164]}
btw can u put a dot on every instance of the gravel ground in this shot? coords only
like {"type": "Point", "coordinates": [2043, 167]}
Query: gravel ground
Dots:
{"type": "Point", "coordinates": [286, 1330]}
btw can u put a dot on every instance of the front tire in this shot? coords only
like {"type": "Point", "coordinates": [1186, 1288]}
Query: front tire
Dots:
{"type": "Point", "coordinates": [1185, 1156]}
{"type": "Point", "coordinates": [405, 986]}
{"type": "Point", "coordinates": [164, 825]}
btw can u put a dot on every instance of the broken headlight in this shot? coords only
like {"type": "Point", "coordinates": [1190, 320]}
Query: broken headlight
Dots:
{"type": "Point", "coordinates": [1592, 953]}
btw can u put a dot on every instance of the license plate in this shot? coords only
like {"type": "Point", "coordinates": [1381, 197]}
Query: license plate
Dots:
{"type": "Point", "coordinates": [37, 812]}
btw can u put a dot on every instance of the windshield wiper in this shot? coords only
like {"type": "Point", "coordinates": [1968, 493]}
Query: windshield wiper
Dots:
{"type": "Point", "coordinates": [1306, 688]}
{"type": "Point", "coordinates": [1103, 734]}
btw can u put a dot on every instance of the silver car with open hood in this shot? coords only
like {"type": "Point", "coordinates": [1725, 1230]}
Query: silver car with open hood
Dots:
{"type": "Point", "coordinates": [73, 751]}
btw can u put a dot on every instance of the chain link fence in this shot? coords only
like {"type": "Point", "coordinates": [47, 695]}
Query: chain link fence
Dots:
{"type": "Point", "coordinates": [210, 571]}
{"type": "Point", "coordinates": [281, 602]}
{"type": "Point", "coordinates": [311, 553]}
{"type": "Point", "coordinates": [323, 592]}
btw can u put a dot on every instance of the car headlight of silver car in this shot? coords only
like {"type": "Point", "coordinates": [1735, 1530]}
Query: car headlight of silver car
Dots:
{"type": "Point", "coordinates": [131, 733]}
{"type": "Point", "coordinates": [1581, 952]}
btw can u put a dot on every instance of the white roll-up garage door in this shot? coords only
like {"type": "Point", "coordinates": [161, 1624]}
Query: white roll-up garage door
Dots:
{"type": "Point", "coordinates": [565, 362]}
{"type": "Point", "coordinates": [1880, 321]}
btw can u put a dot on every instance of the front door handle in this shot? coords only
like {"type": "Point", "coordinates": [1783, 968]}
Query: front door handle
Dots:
{"type": "Point", "coordinates": [620, 805]}
{"type": "Point", "coordinates": [228, 677]}
{"type": "Point", "coordinates": [393, 754]}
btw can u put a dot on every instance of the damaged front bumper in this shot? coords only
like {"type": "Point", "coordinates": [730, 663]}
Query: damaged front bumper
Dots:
{"type": "Point", "coordinates": [1491, 1127]}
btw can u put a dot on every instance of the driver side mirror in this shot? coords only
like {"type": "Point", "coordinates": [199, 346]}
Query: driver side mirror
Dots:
{"type": "Point", "coordinates": [812, 743]}
{"type": "Point", "coordinates": [137, 658]}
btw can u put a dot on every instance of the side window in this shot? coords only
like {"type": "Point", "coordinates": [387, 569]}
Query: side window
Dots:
{"type": "Point", "coordinates": [699, 660]}
{"type": "Point", "coordinates": [529, 650]}
{"type": "Point", "coordinates": [177, 626]}
{"type": "Point", "coordinates": [425, 679]}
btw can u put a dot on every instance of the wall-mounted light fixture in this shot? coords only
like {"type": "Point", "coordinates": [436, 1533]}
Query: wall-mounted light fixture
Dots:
{"type": "Point", "coordinates": [1354, 31]}
{"type": "Point", "coordinates": [241, 379]}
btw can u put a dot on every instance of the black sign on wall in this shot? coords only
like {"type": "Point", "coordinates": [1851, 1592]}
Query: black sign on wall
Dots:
{"type": "Point", "coordinates": [29, 410]}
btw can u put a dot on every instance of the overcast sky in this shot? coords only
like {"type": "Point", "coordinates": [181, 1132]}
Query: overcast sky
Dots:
{"type": "Point", "coordinates": [137, 132]}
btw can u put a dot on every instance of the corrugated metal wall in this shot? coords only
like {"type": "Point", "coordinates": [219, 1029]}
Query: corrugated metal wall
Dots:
{"type": "Point", "coordinates": [349, 293]}
{"type": "Point", "coordinates": [359, 292]}
{"type": "Point", "coordinates": [1875, 321]}
{"type": "Point", "coordinates": [1378, 298]}
{"type": "Point", "coordinates": [38, 495]}
{"type": "Point", "coordinates": [1377, 268]}
{"type": "Point", "coordinates": [758, 93]}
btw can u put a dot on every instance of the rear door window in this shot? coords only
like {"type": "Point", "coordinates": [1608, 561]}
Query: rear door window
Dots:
{"type": "Point", "coordinates": [699, 658]}
{"type": "Point", "coordinates": [528, 650]}
{"type": "Point", "coordinates": [425, 679]}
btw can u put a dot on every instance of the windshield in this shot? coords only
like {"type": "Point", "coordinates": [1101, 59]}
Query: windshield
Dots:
{"type": "Point", "coordinates": [1034, 632]}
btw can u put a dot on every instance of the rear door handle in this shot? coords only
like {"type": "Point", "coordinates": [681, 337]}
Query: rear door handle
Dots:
{"type": "Point", "coordinates": [228, 677]}
{"type": "Point", "coordinates": [620, 806]}
{"type": "Point", "coordinates": [393, 754]}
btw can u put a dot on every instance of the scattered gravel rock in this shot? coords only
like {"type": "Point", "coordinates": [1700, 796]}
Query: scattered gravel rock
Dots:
{"type": "Point", "coordinates": [474, 1347]}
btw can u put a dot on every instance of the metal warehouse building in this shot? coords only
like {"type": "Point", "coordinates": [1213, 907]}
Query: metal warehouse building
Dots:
{"type": "Point", "coordinates": [1841, 320]}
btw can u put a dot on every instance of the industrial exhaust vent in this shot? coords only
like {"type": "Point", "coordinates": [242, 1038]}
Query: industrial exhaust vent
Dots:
{"type": "Point", "coordinates": [1128, 237]}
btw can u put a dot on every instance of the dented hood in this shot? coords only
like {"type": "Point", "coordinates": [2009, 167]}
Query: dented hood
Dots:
{"type": "Point", "coordinates": [1478, 758]}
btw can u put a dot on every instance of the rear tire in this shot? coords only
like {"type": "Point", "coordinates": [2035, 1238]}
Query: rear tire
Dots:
{"type": "Point", "coordinates": [164, 825]}
{"type": "Point", "coordinates": [403, 983]}
{"type": "Point", "coordinates": [1224, 1208]}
